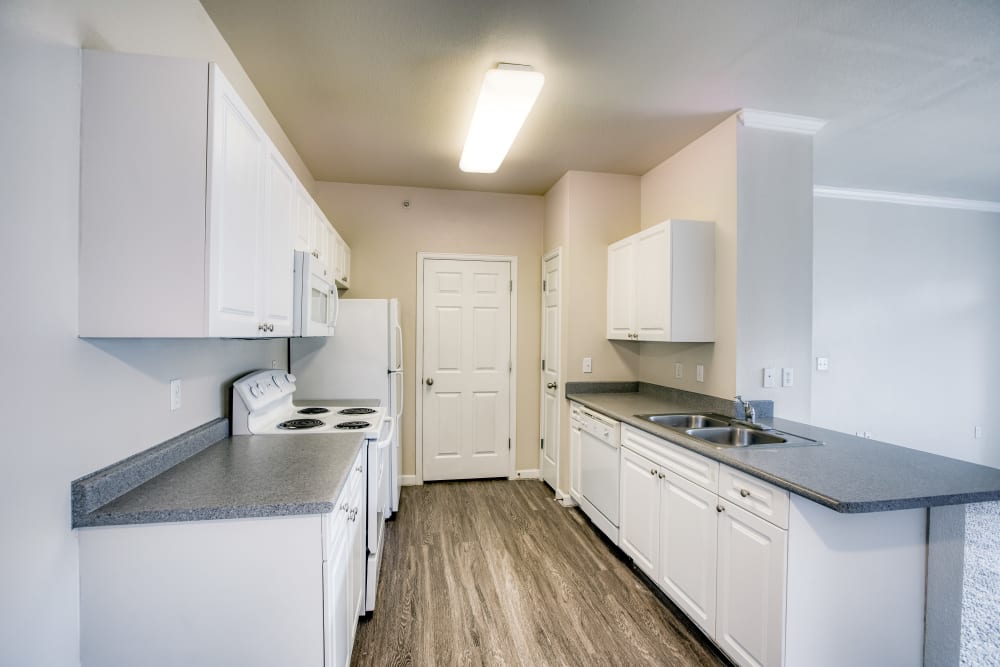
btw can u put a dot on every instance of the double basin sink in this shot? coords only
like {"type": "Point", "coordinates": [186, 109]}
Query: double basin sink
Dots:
{"type": "Point", "coordinates": [724, 431]}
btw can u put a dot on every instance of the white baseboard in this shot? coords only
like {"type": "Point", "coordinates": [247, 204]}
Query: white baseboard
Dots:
{"type": "Point", "coordinates": [409, 480]}
{"type": "Point", "coordinates": [565, 499]}
{"type": "Point", "coordinates": [528, 474]}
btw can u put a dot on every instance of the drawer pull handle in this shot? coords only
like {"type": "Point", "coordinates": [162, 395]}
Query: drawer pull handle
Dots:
{"type": "Point", "coordinates": [744, 492]}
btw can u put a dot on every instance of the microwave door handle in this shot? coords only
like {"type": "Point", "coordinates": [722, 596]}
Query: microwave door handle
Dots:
{"type": "Point", "coordinates": [335, 306]}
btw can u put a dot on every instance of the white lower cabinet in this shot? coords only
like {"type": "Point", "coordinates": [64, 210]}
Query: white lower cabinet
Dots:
{"type": "Point", "coordinates": [688, 540]}
{"type": "Point", "coordinates": [772, 578]}
{"type": "Point", "coordinates": [720, 564]}
{"type": "Point", "coordinates": [750, 598]}
{"type": "Point", "coordinates": [250, 592]}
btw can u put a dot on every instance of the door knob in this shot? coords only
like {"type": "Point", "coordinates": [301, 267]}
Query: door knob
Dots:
{"type": "Point", "coordinates": [430, 381]}
{"type": "Point", "coordinates": [552, 385]}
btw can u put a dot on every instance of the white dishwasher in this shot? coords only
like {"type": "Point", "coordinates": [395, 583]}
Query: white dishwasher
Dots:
{"type": "Point", "coordinates": [600, 438]}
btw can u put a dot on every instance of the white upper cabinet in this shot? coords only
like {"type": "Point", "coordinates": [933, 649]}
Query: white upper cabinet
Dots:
{"type": "Point", "coordinates": [303, 220]}
{"type": "Point", "coordinates": [186, 207]}
{"type": "Point", "coordinates": [340, 259]}
{"type": "Point", "coordinates": [661, 283]}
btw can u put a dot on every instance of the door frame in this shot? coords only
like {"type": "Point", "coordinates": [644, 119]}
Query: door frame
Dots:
{"type": "Point", "coordinates": [541, 390]}
{"type": "Point", "coordinates": [419, 379]}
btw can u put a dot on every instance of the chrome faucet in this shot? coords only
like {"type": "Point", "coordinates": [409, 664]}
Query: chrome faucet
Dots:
{"type": "Point", "coordinates": [749, 412]}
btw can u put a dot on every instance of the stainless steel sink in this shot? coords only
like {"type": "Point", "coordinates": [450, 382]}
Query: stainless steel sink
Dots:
{"type": "Point", "coordinates": [725, 431]}
{"type": "Point", "coordinates": [686, 421]}
{"type": "Point", "coordinates": [739, 436]}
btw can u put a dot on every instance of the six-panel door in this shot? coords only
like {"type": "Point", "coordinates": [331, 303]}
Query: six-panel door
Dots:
{"type": "Point", "coordinates": [466, 366]}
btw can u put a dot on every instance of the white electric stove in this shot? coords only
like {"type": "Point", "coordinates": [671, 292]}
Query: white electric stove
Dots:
{"type": "Point", "coordinates": [263, 404]}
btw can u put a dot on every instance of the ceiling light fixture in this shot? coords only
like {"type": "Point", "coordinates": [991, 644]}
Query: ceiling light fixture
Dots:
{"type": "Point", "coordinates": [507, 95]}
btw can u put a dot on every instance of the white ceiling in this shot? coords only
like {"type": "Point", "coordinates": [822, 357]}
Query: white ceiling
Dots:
{"type": "Point", "coordinates": [381, 91]}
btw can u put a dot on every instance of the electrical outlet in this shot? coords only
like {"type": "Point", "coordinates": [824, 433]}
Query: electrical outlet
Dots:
{"type": "Point", "coordinates": [769, 378]}
{"type": "Point", "coordinates": [274, 363]}
{"type": "Point", "coordinates": [787, 377]}
{"type": "Point", "coordinates": [678, 370]}
{"type": "Point", "coordinates": [822, 363]}
{"type": "Point", "coordinates": [175, 395]}
{"type": "Point", "coordinates": [977, 431]}
{"type": "Point", "coordinates": [699, 373]}
{"type": "Point", "coordinates": [588, 365]}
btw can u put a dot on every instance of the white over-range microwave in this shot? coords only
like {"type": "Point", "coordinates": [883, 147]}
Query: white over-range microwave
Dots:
{"type": "Point", "coordinates": [316, 299]}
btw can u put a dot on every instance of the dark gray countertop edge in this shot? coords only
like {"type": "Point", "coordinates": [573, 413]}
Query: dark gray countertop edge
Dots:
{"type": "Point", "coordinates": [99, 488]}
{"type": "Point", "coordinates": [99, 518]}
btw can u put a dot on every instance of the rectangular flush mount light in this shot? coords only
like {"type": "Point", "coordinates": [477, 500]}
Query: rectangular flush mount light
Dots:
{"type": "Point", "coordinates": [507, 95]}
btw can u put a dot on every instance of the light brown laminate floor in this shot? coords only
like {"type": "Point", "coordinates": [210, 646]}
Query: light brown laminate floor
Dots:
{"type": "Point", "coordinates": [498, 573]}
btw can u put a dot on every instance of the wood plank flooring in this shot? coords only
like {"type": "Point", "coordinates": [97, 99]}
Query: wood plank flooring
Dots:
{"type": "Point", "coordinates": [497, 573]}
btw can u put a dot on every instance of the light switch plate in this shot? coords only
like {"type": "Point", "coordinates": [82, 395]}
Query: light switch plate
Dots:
{"type": "Point", "coordinates": [787, 377]}
{"type": "Point", "coordinates": [699, 373]}
{"type": "Point", "coordinates": [175, 394]}
{"type": "Point", "coordinates": [769, 377]}
{"type": "Point", "coordinates": [678, 370]}
{"type": "Point", "coordinates": [588, 365]}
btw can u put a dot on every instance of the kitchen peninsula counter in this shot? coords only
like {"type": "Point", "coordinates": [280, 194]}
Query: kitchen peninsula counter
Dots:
{"type": "Point", "coordinates": [845, 473]}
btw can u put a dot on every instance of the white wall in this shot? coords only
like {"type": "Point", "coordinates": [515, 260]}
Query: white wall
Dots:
{"type": "Point", "coordinates": [71, 406]}
{"type": "Point", "coordinates": [774, 267]}
{"type": "Point", "coordinates": [907, 308]}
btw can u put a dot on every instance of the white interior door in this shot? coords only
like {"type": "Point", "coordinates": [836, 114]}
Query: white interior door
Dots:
{"type": "Point", "coordinates": [466, 369]}
{"type": "Point", "coordinates": [551, 283]}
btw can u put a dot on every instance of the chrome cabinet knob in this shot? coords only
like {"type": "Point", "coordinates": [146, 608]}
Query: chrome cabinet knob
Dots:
{"type": "Point", "coordinates": [720, 508]}
{"type": "Point", "coordinates": [652, 471]}
{"type": "Point", "coordinates": [662, 475]}
{"type": "Point", "coordinates": [430, 381]}
{"type": "Point", "coordinates": [744, 492]}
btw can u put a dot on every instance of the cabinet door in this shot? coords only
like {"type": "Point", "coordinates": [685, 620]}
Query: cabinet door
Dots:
{"type": "Point", "coordinates": [639, 521]}
{"type": "Point", "coordinates": [346, 264]}
{"type": "Point", "coordinates": [751, 587]}
{"type": "Point", "coordinates": [621, 289]}
{"type": "Point", "coordinates": [652, 283]}
{"type": "Point", "coordinates": [236, 203]}
{"type": "Point", "coordinates": [688, 542]}
{"type": "Point", "coordinates": [303, 220]}
{"type": "Point", "coordinates": [335, 597]}
{"type": "Point", "coordinates": [574, 462]}
{"type": "Point", "coordinates": [277, 258]}
{"type": "Point", "coordinates": [320, 244]}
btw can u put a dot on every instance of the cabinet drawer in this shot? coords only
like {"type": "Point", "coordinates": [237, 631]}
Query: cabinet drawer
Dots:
{"type": "Point", "coordinates": [754, 495]}
{"type": "Point", "coordinates": [694, 467]}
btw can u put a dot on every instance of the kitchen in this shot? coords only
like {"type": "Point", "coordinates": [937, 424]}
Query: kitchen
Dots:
{"type": "Point", "coordinates": [41, 76]}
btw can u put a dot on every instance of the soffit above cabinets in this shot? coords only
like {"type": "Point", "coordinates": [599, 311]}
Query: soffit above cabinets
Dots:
{"type": "Point", "coordinates": [381, 92]}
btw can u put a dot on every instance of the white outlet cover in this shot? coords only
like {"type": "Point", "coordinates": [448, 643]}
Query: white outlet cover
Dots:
{"type": "Point", "coordinates": [787, 377]}
{"type": "Point", "coordinates": [588, 365]}
{"type": "Point", "coordinates": [678, 370]}
{"type": "Point", "coordinates": [770, 376]}
{"type": "Point", "coordinates": [822, 363]}
{"type": "Point", "coordinates": [175, 394]}
{"type": "Point", "coordinates": [699, 373]}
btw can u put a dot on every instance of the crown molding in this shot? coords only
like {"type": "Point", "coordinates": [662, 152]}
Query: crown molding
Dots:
{"type": "Point", "coordinates": [782, 122]}
{"type": "Point", "coordinates": [830, 192]}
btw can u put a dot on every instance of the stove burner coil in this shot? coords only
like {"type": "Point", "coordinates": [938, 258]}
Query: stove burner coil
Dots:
{"type": "Point", "coordinates": [356, 411]}
{"type": "Point", "coordinates": [313, 411]}
{"type": "Point", "coordinates": [353, 425]}
{"type": "Point", "coordinates": [299, 424]}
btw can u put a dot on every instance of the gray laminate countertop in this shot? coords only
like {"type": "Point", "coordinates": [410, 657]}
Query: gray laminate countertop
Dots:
{"type": "Point", "coordinates": [241, 476]}
{"type": "Point", "coordinates": [845, 473]}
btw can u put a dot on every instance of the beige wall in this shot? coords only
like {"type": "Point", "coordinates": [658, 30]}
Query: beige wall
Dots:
{"type": "Point", "coordinates": [699, 183]}
{"type": "Point", "coordinates": [585, 212]}
{"type": "Point", "coordinates": [385, 239]}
